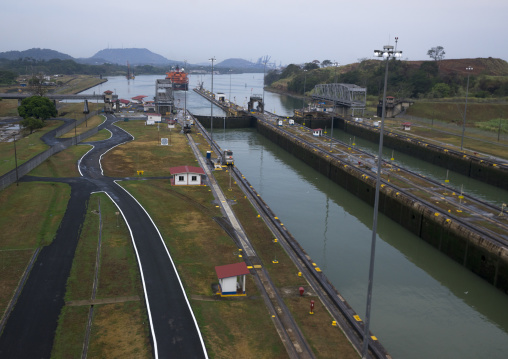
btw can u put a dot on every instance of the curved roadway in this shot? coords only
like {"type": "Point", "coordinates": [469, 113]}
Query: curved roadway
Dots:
{"type": "Point", "coordinates": [30, 328]}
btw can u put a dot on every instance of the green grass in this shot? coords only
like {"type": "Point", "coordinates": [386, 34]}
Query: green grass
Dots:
{"type": "Point", "coordinates": [26, 148]}
{"type": "Point", "coordinates": [63, 164]}
{"type": "Point", "coordinates": [30, 215]}
{"type": "Point", "coordinates": [494, 125]}
{"type": "Point", "coordinates": [146, 153]}
{"type": "Point", "coordinates": [36, 209]}
{"type": "Point", "coordinates": [70, 333]}
{"type": "Point", "coordinates": [99, 136]}
{"type": "Point", "coordinates": [92, 122]}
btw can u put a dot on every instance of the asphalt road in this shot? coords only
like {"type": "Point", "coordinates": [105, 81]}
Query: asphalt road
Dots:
{"type": "Point", "coordinates": [30, 329]}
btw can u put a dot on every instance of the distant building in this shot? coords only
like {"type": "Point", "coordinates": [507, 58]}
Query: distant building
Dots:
{"type": "Point", "coordinates": [149, 106]}
{"type": "Point", "coordinates": [138, 99]}
{"type": "Point", "coordinates": [152, 118]}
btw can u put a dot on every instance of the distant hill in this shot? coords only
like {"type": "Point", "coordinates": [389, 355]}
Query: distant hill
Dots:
{"type": "Point", "coordinates": [36, 54]}
{"type": "Point", "coordinates": [134, 56]}
{"type": "Point", "coordinates": [237, 63]}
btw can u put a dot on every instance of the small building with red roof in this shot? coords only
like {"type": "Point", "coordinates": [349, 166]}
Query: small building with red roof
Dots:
{"type": "Point", "coordinates": [186, 175]}
{"type": "Point", "coordinates": [138, 99]}
{"type": "Point", "coordinates": [406, 126]}
{"type": "Point", "coordinates": [232, 279]}
{"type": "Point", "coordinates": [124, 102]}
{"type": "Point", "coordinates": [317, 132]}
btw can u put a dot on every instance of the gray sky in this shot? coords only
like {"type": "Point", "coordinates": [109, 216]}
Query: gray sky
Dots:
{"type": "Point", "coordinates": [293, 31]}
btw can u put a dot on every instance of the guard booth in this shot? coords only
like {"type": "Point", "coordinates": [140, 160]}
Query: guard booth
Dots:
{"type": "Point", "coordinates": [232, 279]}
{"type": "Point", "coordinates": [318, 132]}
{"type": "Point", "coordinates": [221, 97]}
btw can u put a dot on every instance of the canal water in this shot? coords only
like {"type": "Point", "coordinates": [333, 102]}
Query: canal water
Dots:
{"type": "Point", "coordinates": [424, 305]}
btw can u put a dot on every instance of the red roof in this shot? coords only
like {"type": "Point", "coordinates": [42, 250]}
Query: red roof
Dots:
{"type": "Point", "coordinates": [186, 169]}
{"type": "Point", "coordinates": [231, 270]}
{"type": "Point", "coordinates": [140, 97]}
{"type": "Point", "coordinates": [406, 123]}
{"type": "Point", "coordinates": [124, 101]}
{"type": "Point", "coordinates": [108, 92]}
{"type": "Point", "coordinates": [317, 129]}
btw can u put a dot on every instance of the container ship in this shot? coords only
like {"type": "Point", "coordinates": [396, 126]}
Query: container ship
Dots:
{"type": "Point", "coordinates": [179, 79]}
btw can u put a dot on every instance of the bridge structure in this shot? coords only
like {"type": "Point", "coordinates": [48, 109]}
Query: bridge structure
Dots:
{"type": "Point", "coordinates": [21, 96]}
{"type": "Point", "coordinates": [347, 96]}
{"type": "Point", "coordinates": [107, 97]}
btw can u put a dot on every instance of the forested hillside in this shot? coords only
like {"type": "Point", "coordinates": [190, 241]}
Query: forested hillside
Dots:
{"type": "Point", "coordinates": [415, 79]}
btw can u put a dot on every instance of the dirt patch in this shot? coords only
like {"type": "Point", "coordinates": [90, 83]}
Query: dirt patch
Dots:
{"type": "Point", "coordinates": [116, 332]}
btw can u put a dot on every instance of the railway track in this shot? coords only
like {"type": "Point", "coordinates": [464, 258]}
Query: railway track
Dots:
{"type": "Point", "coordinates": [293, 339]}
{"type": "Point", "coordinates": [336, 305]}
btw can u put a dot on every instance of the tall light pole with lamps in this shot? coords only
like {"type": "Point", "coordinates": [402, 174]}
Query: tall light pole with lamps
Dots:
{"type": "Point", "coordinates": [303, 98]}
{"type": "Point", "coordinates": [387, 53]}
{"type": "Point", "coordinates": [468, 69]}
{"type": "Point", "coordinates": [333, 112]}
{"type": "Point", "coordinates": [211, 108]}
{"type": "Point", "coordinates": [186, 89]}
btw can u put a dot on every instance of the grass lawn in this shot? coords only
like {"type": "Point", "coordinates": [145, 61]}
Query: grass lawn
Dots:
{"type": "Point", "coordinates": [36, 209]}
{"type": "Point", "coordinates": [8, 108]}
{"type": "Point", "coordinates": [146, 153]}
{"type": "Point", "coordinates": [99, 136]}
{"type": "Point", "coordinates": [26, 147]}
{"type": "Point", "coordinates": [233, 328]}
{"type": "Point", "coordinates": [92, 122]}
{"type": "Point", "coordinates": [63, 164]}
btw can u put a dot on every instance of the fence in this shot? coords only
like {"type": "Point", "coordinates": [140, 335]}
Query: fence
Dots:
{"type": "Point", "coordinates": [25, 168]}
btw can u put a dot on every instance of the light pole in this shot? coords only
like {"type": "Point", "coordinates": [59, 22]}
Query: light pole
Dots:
{"type": "Point", "coordinates": [468, 69]}
{"type": "Point", "coordinates": [264, 75]}
{"type": "Point", "coordinates": [185, 101]}
{"type": "Point", "coordinates": [303, 98]}
{"type": "Point", "coordinates": [229, 99]}
{"type": "Point", "coordinates": [333, 112]}
{"type": "Point", "coordinates": [211, 108]}
{"type": "Point", "coordinates": [387, 53]}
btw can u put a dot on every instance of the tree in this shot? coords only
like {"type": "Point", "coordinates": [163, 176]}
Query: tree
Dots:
{"type": "Point", "coordinates": [310, 66]}
{"type": "Point", "coordinates": [441, 90]}
{"type": "Point", "coordinates": [437, 53]}
{"type": "Point", "coordinates": [36, 84]}
{"type": "Point", "coordinates": [32, 123]}
{"type": "Point", "coordinates": [326, 63]}
{"type": "Point", "coordinates": [37, 107]}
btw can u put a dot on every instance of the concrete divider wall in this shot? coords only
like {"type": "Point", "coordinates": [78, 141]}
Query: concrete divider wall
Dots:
{"type": "Point", "coordinates": [460, 163]}
{"type": "Point", "coordinates": [469, 248]}
{"type": "Point", "coordinates": [231, 122]}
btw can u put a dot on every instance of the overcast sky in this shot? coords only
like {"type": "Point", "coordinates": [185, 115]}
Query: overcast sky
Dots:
{"type": "Point", "coordinates": [288, 31]}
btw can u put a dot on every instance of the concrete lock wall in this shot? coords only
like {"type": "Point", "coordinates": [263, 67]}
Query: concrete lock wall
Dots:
{"type": "Point", "coordinates": [458, 162]}
{"type": "Point", "coordinates": [460, 243]}
{"type": "Point", "coordinates": [231, 122]}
